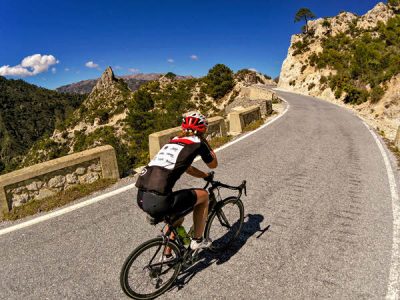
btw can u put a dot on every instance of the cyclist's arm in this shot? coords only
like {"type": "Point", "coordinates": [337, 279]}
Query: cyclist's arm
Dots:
{"type": "Point", "coordinates": [214, 163]}
{"type": "Point", "coordinates": [208, 155]}
{"type": "Point", "coordinates": [196, 172]}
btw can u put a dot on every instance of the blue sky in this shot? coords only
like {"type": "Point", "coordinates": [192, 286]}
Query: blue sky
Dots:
{"type": "Point", "coordinates": [81, 38]}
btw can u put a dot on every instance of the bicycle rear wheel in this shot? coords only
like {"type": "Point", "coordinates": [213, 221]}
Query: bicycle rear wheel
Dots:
{"type": "Point", "coordinates": [144, 275]}
{"type": "Point", "coordinates": [225, 223]}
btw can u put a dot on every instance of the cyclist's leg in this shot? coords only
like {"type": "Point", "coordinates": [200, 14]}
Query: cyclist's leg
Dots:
{"type": "Point", "coordinates": [200, 212]}
{"type": "Point", "coordinates": [172, 235]}
{"type": "Point", "coordinates": [184, 201]}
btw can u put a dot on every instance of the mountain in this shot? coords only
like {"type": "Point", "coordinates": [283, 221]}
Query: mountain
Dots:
{"type": "Point", "coordinates": [133, 81]}
{"type": "Point", "coordinates": [113, 114]}
{"type": "Point", "coordinates": [352, 60]}
{"type": "Point", "coordinates": [27, 114]}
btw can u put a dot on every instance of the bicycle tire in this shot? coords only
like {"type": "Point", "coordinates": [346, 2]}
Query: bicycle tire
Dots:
{"type": "Point", "coordinates": [147, 273]}
{"type": "Point", "coordinates": [225, 223]}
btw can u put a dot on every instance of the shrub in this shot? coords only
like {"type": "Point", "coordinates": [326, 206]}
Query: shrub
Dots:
{"type": "Point", "coordinates": [394, 3]}
{"type": "Point", "coordinates": [376, 94]}
{"type": "Point", "coordinates": [311, 86]}
{"type": "Point", "coordinates": [301, 47]}
{"type": "Point", "coordinates": [323, 80]}
{"type": "Point", "coordinates": [326, 23]}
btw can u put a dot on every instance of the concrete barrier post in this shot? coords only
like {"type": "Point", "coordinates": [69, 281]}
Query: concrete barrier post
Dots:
{"type": "Point", "coordinates": [269, 107]}
{"type": "Point", "coordinates": [397, 139]}
{"type": "Point", "coordinates": [235, 123]}
{"type": "Point", "coordinates": [240, 117]}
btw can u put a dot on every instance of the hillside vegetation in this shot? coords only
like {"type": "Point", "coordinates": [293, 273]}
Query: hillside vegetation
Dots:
{"type": "Point", "coordinates": [114, 115]}
{"type": "Point", "coordinates": [363, 61]}
{"type": "Point", "coordinates": [27, 114]}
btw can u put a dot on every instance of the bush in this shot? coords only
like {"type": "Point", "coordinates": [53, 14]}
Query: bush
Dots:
{"type": "Point", "coordinates": [326, 23]}
{"type": "Point", "coordinates": [301, 47]}
{"type": "Point", "coordinates": [311, 86]}
{"type": "Point", "coordinates": [376, 94]}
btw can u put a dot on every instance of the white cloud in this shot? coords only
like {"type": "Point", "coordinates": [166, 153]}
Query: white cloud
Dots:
{"type": "Point", "coordinates": [252, 69]}
{"type": "Point", "coordinates": [91, 64]}
{"type": "Point", "coordinates": [53, 70]}
{"type": "Point", "coordinates": [170, 60]}
{"type": "Point", "coordinates": [194, 57]}
{"type": "Point", "coordinates": [117, 67]}
{"type": "Point", "coordinates": [30, 66]}
{"type": "Point", "coordinates": [133, 70]}
{"type": "Point", "coordinates": [66, 69]}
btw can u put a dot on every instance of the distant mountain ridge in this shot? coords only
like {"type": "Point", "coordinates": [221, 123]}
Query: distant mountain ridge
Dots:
{"type": "Point", "coordinates": [134, 81]}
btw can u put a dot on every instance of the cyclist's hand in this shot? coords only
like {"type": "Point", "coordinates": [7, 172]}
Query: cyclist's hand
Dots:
{"type": "Point", "coordinates": [209, 177]}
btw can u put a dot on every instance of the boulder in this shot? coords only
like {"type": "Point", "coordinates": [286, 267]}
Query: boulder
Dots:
{"type": "Point", "coordinates": [44, 193]}
{"type": "Point", "coordinates": [57, 181]}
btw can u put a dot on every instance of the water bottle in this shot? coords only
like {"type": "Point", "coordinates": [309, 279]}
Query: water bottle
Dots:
{"type": "Point", "coordinates": [183, 235]}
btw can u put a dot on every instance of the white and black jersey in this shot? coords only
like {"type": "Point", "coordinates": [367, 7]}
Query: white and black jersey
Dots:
{"type": "Point", "coordinates": [161, 174]}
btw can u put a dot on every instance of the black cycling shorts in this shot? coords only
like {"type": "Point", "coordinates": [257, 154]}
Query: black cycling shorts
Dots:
{"type": "Point", "coordinates": [177, 203]}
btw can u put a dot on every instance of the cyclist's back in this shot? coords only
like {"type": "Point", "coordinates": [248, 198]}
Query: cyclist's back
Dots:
{"type": "Point", "coordinates": [161, 174]}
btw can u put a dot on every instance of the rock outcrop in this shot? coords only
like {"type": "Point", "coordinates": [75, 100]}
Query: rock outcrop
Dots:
{"type": "Point", "coordinates": [108, 94]}
{"type": "Point", "coordinates": [299, 74]}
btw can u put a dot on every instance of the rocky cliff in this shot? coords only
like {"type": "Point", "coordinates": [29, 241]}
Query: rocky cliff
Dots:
{"type": "Point", "coordinates": [351, 60]}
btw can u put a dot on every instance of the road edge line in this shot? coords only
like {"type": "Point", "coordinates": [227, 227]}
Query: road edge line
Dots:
{"type": "Point", "coordinates": [394, 275]}
{"type": "Point", "coordinates": [96, 199]}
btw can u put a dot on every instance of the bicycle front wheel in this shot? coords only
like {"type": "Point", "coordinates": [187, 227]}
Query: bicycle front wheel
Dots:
{"type": "Point", "coordinates": [145, 275]}
{"type": "Point", "coordinates": [225, 223]}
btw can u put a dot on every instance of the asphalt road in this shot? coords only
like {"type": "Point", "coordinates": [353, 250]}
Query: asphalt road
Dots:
{"type": "Point", "coordinates": [315, 177]}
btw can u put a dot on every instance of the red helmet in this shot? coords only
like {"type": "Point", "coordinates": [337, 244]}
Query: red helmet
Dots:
{"type": "Point", "coordinates": [195, 122]}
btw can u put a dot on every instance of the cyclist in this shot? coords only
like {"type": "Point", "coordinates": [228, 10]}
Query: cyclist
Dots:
{"type": "Point", "coordinates": [157, 179]}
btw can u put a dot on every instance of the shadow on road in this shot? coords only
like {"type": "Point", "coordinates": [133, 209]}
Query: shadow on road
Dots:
{"type": "Point", "coordinates": [251, 226]}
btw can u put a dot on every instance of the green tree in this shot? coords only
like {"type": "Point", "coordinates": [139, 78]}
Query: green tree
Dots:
{"type": "Point", "coordinates": [170, 75]}
{"type": "Point", "coordinates": [394, 3]}
{"type": "Point", "coordinates": [219, 81]}
{"type": "Point", "coordinates": [304, 14]}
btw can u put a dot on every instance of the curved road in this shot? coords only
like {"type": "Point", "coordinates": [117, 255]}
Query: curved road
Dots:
{"type": "Point", "coordinates": [319, 223]}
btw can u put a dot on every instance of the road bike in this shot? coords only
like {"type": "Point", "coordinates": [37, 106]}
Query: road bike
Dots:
{"type": "Point", "coordinates": [146, 274]}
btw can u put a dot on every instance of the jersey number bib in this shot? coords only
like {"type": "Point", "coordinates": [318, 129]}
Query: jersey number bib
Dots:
{"type": "Point", "coordinates": [166, 157]}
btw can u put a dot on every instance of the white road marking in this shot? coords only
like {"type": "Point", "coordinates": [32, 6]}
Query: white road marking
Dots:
{"type": "Point", "coordinates": [117, 191]}
{"type": "Point", "coordinates": [393, 285]}
{"type": "Point", "coordinates": [65, 210]}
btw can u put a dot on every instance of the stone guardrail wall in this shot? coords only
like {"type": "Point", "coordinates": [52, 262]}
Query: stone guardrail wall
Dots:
{"type": "Point", "coordinates": [256, 93]}
{"type": "Point", "coordinates": [239, 118]}
{"type": "Point", "coordinates": [46, 179]}
{"type": "Point", "coordinates": [216, 127]}
{"type": "Point", "coordinates": [265, 105]}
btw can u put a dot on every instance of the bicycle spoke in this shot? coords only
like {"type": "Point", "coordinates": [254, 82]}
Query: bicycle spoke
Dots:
{"type": "Point", "coordinates": [222, 218]}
